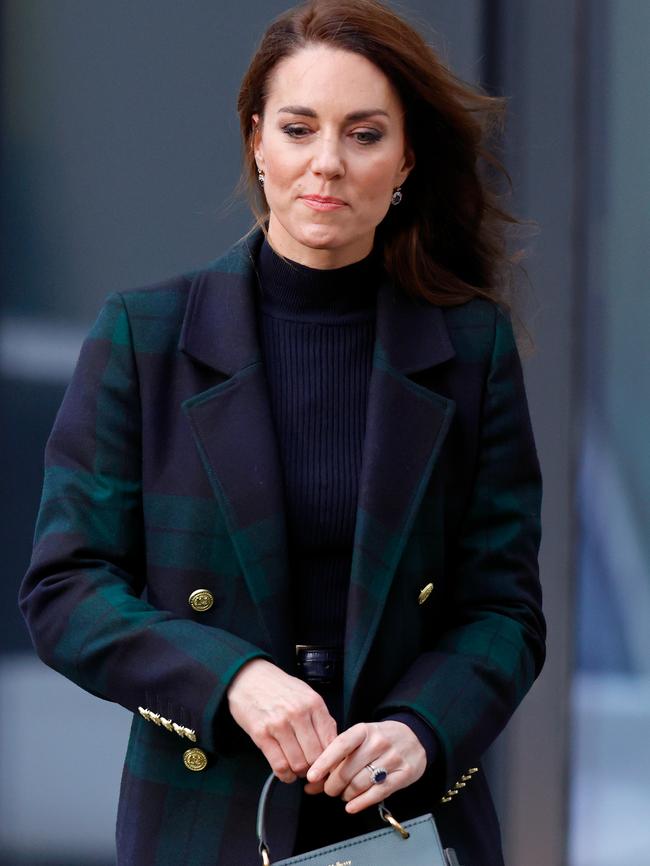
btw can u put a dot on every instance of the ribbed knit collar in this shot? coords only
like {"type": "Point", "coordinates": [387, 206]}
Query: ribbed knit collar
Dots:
{"type": "Point", "coordinates": [295, 290]}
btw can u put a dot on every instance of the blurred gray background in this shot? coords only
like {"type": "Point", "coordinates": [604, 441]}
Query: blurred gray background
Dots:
{"type": "Point", "coordinates": [120, 152]}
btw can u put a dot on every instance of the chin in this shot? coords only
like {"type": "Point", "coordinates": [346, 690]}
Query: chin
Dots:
{"type": "Point", "coordinates": [319, 237]}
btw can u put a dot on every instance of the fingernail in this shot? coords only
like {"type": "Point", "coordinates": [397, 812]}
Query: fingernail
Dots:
{"type": "Point", "coordinates": [313, 775]}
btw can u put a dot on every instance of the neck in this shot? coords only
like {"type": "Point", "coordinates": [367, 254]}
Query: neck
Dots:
{"type": "Point", "coordinates": [289, 287]}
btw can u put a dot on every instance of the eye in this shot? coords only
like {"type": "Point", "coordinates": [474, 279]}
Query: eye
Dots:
{"type": "Point", "coordinates": [364, 137]}
{"type": "Point", "coordinates": [374, 136]}
{"type": "Point", "coordinates": [293, 131]}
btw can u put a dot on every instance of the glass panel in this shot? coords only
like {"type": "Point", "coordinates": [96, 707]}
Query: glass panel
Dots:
{"type": "Point", "coordinates": [611, 694]}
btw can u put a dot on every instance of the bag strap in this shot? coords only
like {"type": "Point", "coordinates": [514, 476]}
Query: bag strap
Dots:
{"type": "Point", "coordinates": [262, 810]}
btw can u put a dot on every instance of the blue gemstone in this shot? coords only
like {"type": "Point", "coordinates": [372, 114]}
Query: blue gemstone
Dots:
{"type": "Point", "coordinates": [379, 776]}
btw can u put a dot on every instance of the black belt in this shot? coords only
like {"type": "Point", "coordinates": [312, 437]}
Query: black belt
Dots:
{"type": "Point", "coordinates": [319, 664]}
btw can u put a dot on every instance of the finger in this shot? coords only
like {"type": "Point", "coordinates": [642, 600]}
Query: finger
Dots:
{"type": "Point", "coordinates": [369, 797]}
{"type": "Point", "coordinates": [307, 735]}
{"type": "Point", "coordinates": [376, 749]}
{"type": "Point", "coordinates": [343, 777]}
{"type": "Point", "coordinates": [314, 787]}
{"type": "Point", "coordinates": [277, 760]}
{"type": "Point", "coordinates": [362, 782]}
{"type": "Point", "coordinates": [288, 742]}
{"type": "Point", "coordinates": [360, 794]}
{"type": "Point", "coordinates": [324, 725]}
{"type": "Point", "coordinates": [336, 751]}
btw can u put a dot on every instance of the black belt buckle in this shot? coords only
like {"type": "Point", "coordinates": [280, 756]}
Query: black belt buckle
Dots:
{"type": "Point", "coordinates": [319, 664]}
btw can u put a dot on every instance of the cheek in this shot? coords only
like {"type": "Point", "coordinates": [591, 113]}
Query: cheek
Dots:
{"type": "Point", "coordinates": [376, 185]}
{"type": "Point", "coordinates": [283, 165]}
{"type": "Point", "coordinates": [279, 185]}
{"type": "Point", "coordinates": [377, 177]}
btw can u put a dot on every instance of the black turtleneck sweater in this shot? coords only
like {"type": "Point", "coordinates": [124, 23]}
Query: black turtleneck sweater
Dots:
{"type": "Point", "coordinates": [317, 329]}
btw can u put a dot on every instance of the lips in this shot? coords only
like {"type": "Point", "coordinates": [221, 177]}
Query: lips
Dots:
{"type": "Point", "coordinates": [324, 199]}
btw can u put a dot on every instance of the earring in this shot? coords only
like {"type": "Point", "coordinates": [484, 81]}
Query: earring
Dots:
{"type": "Point", "coordinates": [397, 195]}
{"type": "Point", "coordinates": [260, 176]}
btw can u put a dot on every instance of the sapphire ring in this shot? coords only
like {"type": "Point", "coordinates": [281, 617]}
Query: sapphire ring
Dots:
{"type": "Point", "coordinates": [377, 774]}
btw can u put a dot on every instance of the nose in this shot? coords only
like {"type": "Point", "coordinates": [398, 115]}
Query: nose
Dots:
{"type": "Point", "coordinates": [327, 159]}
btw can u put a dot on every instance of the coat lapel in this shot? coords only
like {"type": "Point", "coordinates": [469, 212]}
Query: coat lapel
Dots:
{"type": "Point", "coordinates": [233, 428]}
{"type": "Point", "coordinates": [405, 427]}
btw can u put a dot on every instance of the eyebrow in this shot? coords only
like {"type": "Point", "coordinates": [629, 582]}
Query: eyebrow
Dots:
{"type": "Point", "coordinates": [352, 116]}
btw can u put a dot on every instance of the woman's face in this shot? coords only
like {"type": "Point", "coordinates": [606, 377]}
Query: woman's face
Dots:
{"type": "Point", "coordinates": [309, 144]}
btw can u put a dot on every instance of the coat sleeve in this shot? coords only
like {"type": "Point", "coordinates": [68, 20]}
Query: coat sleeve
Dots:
{"type": "Point", "coordinates": [492, 647]}
{"type": "Point", "coordinates": [82, 594]}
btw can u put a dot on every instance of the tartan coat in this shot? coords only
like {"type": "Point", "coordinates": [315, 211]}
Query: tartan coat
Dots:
{"type": "Point", "coordinates": [162, 476]}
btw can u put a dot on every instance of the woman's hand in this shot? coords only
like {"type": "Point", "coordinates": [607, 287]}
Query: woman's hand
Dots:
{"type": "Point", "coordinates": [283, 716]}
{"type": "Point", "coordinates": [388, 744]}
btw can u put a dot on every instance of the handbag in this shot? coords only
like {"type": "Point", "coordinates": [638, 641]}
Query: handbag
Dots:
{"type": "Point", "coordinates": [413, 843]}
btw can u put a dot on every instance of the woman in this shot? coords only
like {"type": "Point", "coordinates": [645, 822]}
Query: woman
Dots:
{"type": "Point", "coordinates": [290, 515]}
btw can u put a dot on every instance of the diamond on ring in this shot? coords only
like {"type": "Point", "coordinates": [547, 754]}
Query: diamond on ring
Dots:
{"type": "Point", "coordinates": [377, 774]}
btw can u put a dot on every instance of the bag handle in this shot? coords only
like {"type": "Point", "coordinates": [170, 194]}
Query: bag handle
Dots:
{"type": "Point", "coordinates": [262, 809]}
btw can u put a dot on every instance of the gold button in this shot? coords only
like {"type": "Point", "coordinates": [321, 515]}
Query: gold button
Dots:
{"type": "Point", "coordinates": [201, 600]}
{"type": "Point", "coordinates": [425, 592]}
{"type": "Point", "coordinates": [195, 760]}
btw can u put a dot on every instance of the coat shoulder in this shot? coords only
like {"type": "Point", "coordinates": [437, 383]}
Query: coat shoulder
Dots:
{"type": "Point", "coordinates": [478, 312]}
{"type": "Point", "coordinates": [156, 311]}
{"type": "Point", "coordinates": [473, 327]}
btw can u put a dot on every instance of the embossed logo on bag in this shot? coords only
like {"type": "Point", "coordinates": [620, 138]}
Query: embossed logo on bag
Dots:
{"type": "Point", "coordinates": [341, 863]}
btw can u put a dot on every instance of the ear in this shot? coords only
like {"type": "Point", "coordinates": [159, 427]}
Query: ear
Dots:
{"type": "Point", "coordinates": [257, 141]}
{"type": "Point", "coordinates": [407, 164]}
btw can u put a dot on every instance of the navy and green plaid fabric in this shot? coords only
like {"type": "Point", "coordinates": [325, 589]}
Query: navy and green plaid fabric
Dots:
{"type": "Point", "coordinates": [162, 476]}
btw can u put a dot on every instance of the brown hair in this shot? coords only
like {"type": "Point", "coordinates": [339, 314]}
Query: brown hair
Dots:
{"type": "Point", "coordinates": [447, 240]}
